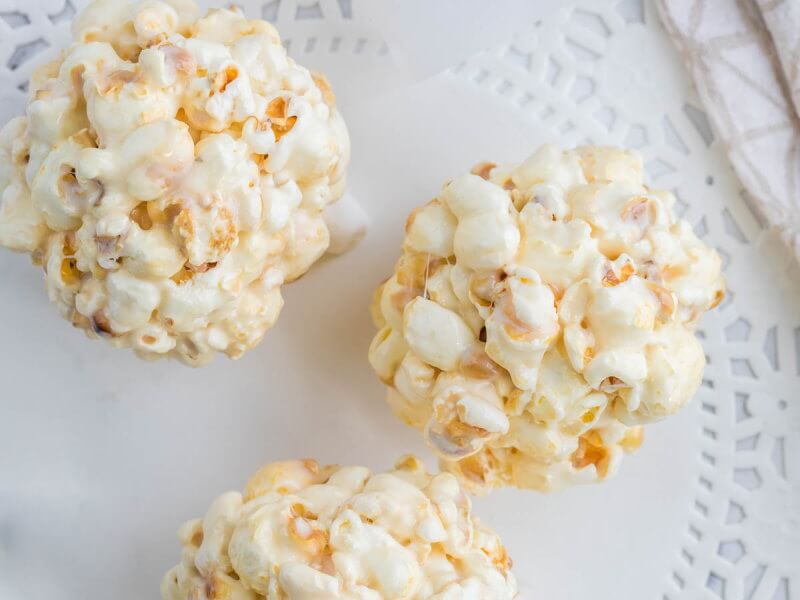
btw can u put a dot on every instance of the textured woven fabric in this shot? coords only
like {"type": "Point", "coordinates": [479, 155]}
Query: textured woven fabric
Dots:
{"type": "Point", "coordinates": [744, 56]}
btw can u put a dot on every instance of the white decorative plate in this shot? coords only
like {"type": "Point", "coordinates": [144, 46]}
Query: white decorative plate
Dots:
{"type": "Point", "coordinates": [102, 456]}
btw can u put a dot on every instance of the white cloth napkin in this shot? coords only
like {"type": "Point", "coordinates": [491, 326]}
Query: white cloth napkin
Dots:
{"type": "Point", "coordinates": [744, 56]}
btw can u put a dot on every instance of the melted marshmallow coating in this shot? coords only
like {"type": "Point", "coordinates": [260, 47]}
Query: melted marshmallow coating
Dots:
{"type": "Point", "coordinates": [305, 532]}
{"type": "Point", "coordinates": [540, 314]}
{"type": "Point", "coordinates": [170, 175]}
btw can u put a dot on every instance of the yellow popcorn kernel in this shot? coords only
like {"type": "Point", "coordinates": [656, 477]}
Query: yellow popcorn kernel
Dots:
{"type": "Point", "coordinates": [719, 296]}
{"type": "Point", "coordinates": [592, 451]}
{"type": "Point", "coordinates": [632, 439]}
{"type": "Point", "coordinates": [141, 216]}
{"type": "Point", "coordinates": [182, 276]}
{"type": "Point", "coordinates": [281, 123]}
{"type": "Point", "coordinates": [483, 169]}
{"type": "Point", "coordinates": [70, 274]}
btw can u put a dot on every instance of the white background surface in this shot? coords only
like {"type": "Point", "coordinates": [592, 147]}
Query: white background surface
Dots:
{"type": "Point", "coordinates": [102, 456]}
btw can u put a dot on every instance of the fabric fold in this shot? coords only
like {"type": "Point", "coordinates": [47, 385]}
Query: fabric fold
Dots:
{"type": "Point", "coordinates": [744, 57]}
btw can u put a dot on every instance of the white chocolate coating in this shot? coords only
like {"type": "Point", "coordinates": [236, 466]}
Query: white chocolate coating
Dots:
{"type": "Point", "coordinates": [171, 174]}
{"type": "Point", "coordinates": [540, 314]}
{"type": "Point", "coordinates": [302, 532]}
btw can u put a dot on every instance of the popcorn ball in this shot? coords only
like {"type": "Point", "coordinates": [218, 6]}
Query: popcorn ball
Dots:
{"type": "Point", "coordinates": [540, 314]}
{"type": "Point", "coordinates": [305, 532]}
{"type": "Point", "coordinates": [170, 175]}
